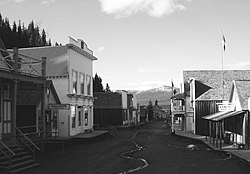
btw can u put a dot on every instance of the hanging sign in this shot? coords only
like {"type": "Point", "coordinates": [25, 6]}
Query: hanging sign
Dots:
{"type": "Point", "coordinates": [59, 106]}
{"type": "Point", "coordinates": [226, 107]}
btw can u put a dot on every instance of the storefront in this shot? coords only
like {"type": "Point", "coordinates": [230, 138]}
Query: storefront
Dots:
{"type": "Point", "coordinates": [22, 91]}
{"type": "Point", "coordinates": [69, 120]}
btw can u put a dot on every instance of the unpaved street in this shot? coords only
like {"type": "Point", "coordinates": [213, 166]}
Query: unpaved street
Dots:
{"type": "Point", "coordinates": [148, 150]}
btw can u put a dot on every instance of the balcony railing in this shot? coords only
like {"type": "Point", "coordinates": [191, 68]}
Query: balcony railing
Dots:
{"type": "Point", "coordinates": [14, 62]}
{"type": "Point", "coordinates": [179, 109]}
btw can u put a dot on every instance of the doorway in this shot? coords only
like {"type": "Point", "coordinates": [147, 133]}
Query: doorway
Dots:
{"type": "Point", "coordinates": [26, 118]}
{"type": "Point", "coordinates": [6, 109]}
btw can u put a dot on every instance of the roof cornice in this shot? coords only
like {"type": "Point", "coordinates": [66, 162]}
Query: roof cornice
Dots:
{"type": "Point", "coordinates": [81, 51]}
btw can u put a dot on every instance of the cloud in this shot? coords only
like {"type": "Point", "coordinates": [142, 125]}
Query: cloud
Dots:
{"type": "Point", "coordinates": [154, 8]}
{"type": "Point", "coordinates": [239, 66]}
{"type": "Point", "coordinates": [17, 1]}
{"type": "Point", "coordinates": [47, 2]}
{"type": "Point", "coordinates": [100, 49]}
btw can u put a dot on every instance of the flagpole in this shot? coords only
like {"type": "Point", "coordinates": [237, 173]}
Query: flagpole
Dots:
{"type": "Point", "coordinates": [223, 48]}
{"type": "Point", "coordinates": [172, 108]}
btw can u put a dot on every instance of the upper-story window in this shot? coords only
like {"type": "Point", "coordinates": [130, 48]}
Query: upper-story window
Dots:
{"type": "Point", "coordinates": [6, 91]}
{"type": "Point", "coordinates": [82, 81]}
{"type": "Point", "coordinates": [74, 81]}
{"type": "Point", "coordinates": [88, 85]}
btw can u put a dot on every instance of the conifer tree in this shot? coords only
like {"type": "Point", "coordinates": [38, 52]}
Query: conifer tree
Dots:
{"type": "Point", "coordinates": [107, 88]}
{"type": "Point", "coordinates": [43, 39]}
{"type": "Point", "coordinates": [97, 84]}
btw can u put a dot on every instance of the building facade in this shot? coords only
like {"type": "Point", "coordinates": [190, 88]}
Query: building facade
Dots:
{"type": "Point", "coordinates": [203, 90]}
{"type": "Point", "coordinates": [22, 91]}
{"type": "Point", "coordinates": [111, 108]}
{"type": "Point", "coordinates": [70, 68]}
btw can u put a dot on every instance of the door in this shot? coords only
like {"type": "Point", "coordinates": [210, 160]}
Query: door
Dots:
{"type": "Point", "coordinates": [80, 119]}
{"type": "Point", "coordinates": [26, 118]}
{"type": "Point", "coordinates": [6, 110]}
{"type": "Point", "coordinates": [54, 122]}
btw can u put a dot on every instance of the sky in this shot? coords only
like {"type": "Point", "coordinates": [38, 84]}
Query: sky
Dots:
{"type": "Point", "coordinates": [142, 44]}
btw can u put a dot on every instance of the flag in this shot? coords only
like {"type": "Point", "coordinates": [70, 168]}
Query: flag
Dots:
{"type": "Point", "coordinates": [173, 89]}
{"type": "Point", "coordinates": [223, 42]}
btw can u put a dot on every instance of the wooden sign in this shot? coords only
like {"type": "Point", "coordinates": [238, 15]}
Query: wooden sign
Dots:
{"type": "Point", "coordinates": [225, 107]}
{"type": "Point", "coordinates": [59, 106]}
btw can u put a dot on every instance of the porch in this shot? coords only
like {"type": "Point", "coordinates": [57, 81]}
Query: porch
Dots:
{"type": "Point", "coordinates": [22, 103]}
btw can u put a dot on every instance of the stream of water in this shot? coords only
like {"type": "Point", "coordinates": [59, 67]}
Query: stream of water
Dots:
{"type": "Point", "coordinates": [129, 155]}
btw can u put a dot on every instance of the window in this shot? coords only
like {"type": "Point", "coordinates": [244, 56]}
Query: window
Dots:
{"type": "Point", "coordinates": [88, 85]}
{"type": "Point", "coordinates": [86, 116]}
{"type": "Point", "coordinates": [74, 79]}
{"type": "Point", "coordinates": [82, 79]}
{"type": "Point", "coordinates": [79, 115]}
{"type": "Point", "coordinates": [7, 91]}
{"type": "Point", "coordinates": [73, 116]}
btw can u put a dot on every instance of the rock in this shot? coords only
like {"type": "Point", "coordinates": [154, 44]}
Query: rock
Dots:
{"type": "Point", "coordinates": [191, 147]}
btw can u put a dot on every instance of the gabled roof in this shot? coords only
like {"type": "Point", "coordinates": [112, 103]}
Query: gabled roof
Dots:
{"type": "Point", "coordinates": [214, 79]}
{"type": "Point", "coordinates": [3, 53]}
{"type": "Point", "coordinates": [2, 46]}
{"type": "Point", "coordinates": [243, 91]}
{"type": "Point", "coordinates": [50, 84]}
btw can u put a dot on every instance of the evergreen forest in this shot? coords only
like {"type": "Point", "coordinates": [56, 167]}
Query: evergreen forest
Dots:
{"type": "Point", "coordinates": [21, 36]}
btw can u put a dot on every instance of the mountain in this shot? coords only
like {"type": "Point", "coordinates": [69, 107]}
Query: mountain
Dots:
{"type": "Point", "coordinates": [162, 94]}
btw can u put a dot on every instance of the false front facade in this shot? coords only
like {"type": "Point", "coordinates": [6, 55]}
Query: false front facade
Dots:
{"type": "Point", "coordinates": [70, 68]}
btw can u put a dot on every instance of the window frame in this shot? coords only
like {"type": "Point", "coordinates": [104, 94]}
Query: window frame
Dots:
{"type": "Point", "coordinates": [88, 83]}
{"type": "Point", "coordinates": [82, 82]}
{"type": "Point", "coordinates": [73, 116]}
{"type": "Point", "coordinates": [74, 81]}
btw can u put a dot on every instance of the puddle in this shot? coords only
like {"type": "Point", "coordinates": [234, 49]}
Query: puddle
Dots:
{"type": "Point", "coordinates": [129, 155]}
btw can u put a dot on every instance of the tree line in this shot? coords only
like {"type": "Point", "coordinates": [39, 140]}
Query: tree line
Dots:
{"type": "Point", "coordinates": [18, 35]}
{"type": "Point", "coordinates": [98, 86]}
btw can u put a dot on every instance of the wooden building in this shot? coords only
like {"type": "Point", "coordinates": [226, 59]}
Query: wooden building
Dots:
{"type": "Point", "coordinates": [233, 118]}
{"type": "Point", "coordinates": [70, 68]}
{"type": "Point", "coordinates": [22, 106]}
{"type": "Point", "coordinates": [111, 108]}
{"type": "Point", "coordinates": [203, 91]}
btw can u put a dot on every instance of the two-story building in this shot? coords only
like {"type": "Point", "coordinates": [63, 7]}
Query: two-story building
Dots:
{"type": "Point", "coordinates": [134, 109]}
{"type": "Point", "coordinates": [70, 68]}
{"type": "Point", "coordinates": [22, 108]}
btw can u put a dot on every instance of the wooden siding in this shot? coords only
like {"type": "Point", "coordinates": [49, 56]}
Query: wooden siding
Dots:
{"type": "Point", "coordinates": [103, 117]}
{"type": "Point", "coordinates": [203, 108]}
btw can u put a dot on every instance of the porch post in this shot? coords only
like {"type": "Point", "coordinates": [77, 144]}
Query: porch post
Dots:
{"type": "Point", "coordinates": [14, 102]}
{"type": "Point", "coordinates": [220, 130]}
{"type": "Point", "coordinates": [13, 118]}
{"type": "Point", "coordinates": [210, 131]}
{"type": "Point", "coordinates": [216, 134]}
{"type": "Point", "coordinates": [43, 96]}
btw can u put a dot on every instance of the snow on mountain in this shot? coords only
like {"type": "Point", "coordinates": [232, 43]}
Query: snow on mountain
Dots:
{"type": "Point", "coordinates": [162, 94]}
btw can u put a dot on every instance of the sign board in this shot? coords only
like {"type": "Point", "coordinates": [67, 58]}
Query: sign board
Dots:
{"type": "Point", "coordinates": [59, 106]}
{"type": "Point", "coordinates": [178, 108]}
{"type": "Point", "coordinates": [225, 107]}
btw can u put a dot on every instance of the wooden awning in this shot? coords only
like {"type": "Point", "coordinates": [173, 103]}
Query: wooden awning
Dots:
{"type": "Point", "coordinates": [222, 115]}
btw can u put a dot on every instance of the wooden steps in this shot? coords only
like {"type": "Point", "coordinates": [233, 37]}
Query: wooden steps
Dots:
{"type": "Point", "coordinates": [21, 160]}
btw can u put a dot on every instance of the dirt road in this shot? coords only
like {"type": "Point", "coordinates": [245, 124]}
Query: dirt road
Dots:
{"type": "Point", "coordinates": [148, 150]}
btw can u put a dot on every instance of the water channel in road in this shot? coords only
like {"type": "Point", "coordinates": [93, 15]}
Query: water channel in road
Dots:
{"type": "Point", "coordinates": [129, 155]}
